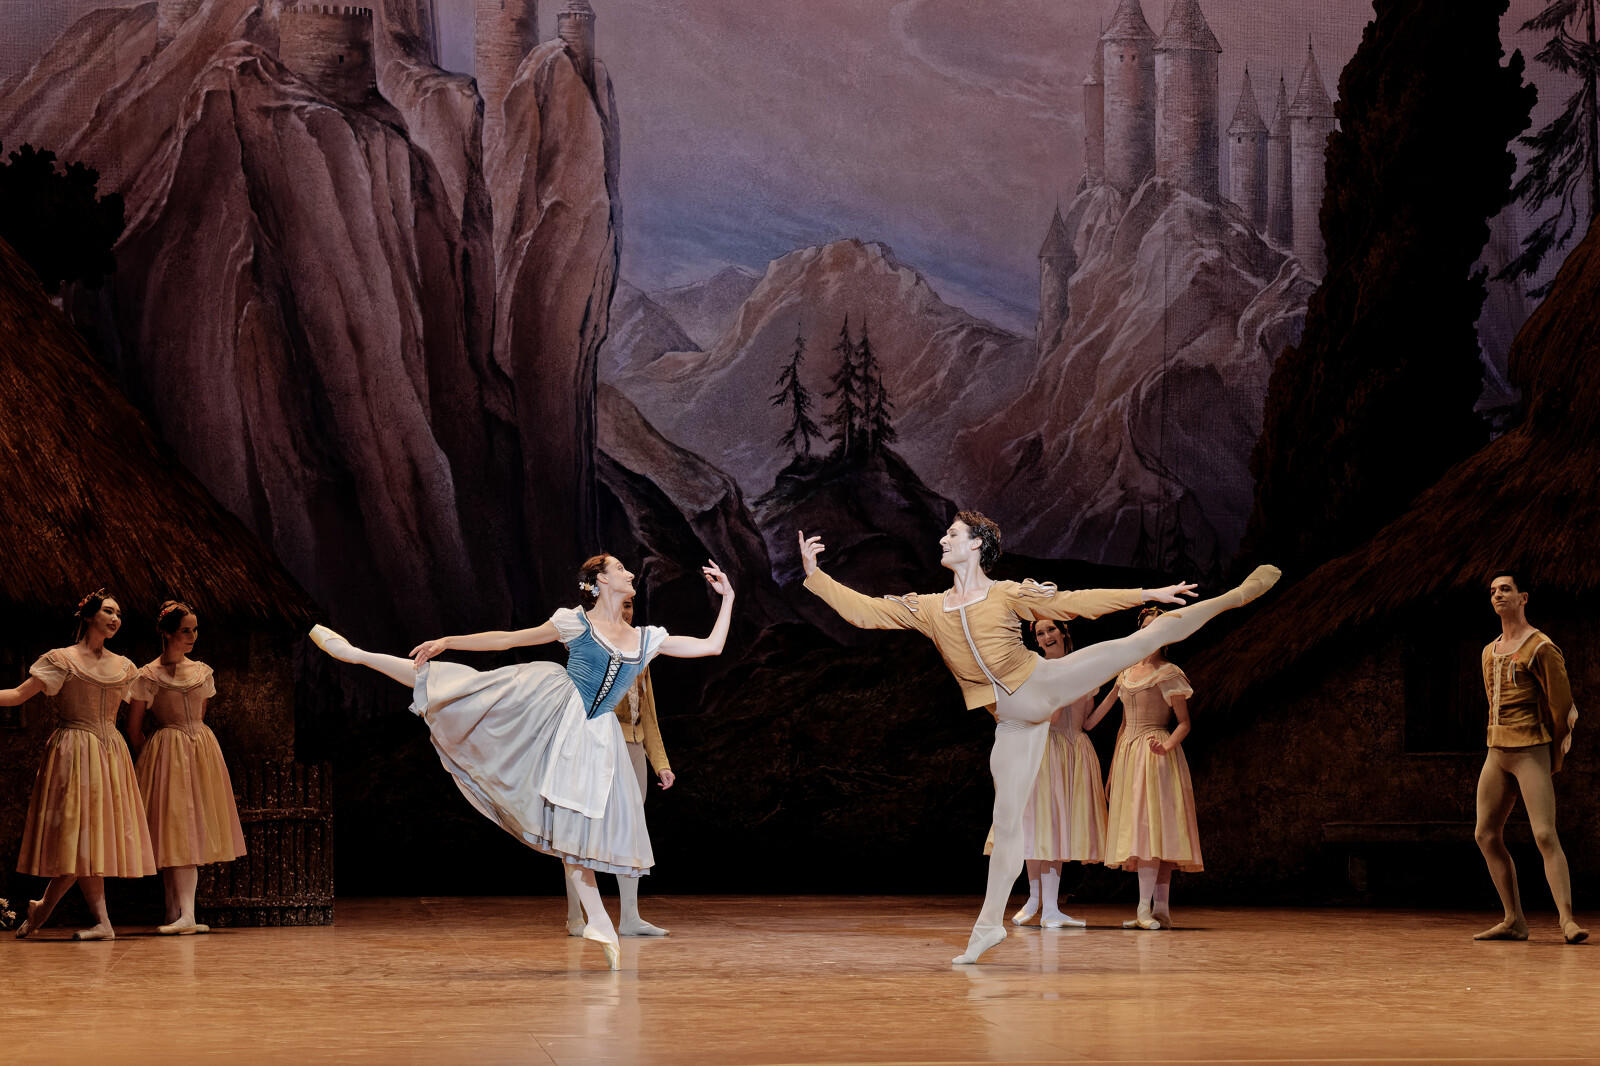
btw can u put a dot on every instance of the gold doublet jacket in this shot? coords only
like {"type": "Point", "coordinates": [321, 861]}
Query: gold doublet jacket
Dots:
{"type": "Point", "coordinates": [981, 643]}
{"type": "Point", "coordinates": [1529, 697]}
{"type": "Point", "coordinates": [637, 712]}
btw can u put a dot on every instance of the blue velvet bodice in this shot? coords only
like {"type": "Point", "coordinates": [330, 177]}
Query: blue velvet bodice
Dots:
{"type": "Point", "coordinates": [601, 676]}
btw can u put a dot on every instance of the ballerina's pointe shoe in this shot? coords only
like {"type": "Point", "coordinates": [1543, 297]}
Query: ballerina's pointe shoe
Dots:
{"type": "Point", "coordinates": [612, 950]}
{"type": "Point", "coordinates": [329, 641]}
{"type": "Point", "coordinates": [1573, 933]}
{"type": "Point", "coordinates": [1062, 921]}
{"type": "Point", "coordinates": [182, 929]}
{"type": "Point", "coordinates": [981, 941]}
{"type": "Point", "coordinates": [27, 925]}
{"type": "Point", "coordinates": [94, 934]}
{"type": "Point", "coordinates": [1025, 914]}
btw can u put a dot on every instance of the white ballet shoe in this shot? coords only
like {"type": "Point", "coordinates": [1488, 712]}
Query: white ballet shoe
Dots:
{"type": "Point", "coordinates": [330, 642]}
{"type": "Point", "coordinates": [982, 940]}
{"type": "Point", "coordinates": [612, 949]}
{"type": "Point", "coordinates": [640, 927]}
{"type": "Point", "coordinates": [1141, 923]}
{"type": "Point", "coordinates": [1025, 914]}
{"type": "Point", "coordinates": [1062, 921]}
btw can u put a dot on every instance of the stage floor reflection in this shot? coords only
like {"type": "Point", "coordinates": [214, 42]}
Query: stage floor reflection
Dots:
{"type": "Point", "coordinates": [803, 980]}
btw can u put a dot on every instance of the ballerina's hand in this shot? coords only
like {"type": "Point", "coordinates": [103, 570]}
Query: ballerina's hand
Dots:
{"type": "Point", "coordinates": [810, 548]}
{"type": "Point", "coordinates": [427, 650]}
{"type": "Point", "coordinates": [1172, 593]}
{"type": "Point", "coordinates": [719, 581]}
{"type": "Point", "coordinates": [1157, 747]}
{"type": "Point", "coordinates": [667, 778]}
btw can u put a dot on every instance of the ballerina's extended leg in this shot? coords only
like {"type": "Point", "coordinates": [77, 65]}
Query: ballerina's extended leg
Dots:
{"type": "Point", "coordinates": [391, 666]}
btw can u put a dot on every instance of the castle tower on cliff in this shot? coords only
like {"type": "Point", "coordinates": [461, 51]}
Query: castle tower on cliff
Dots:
{"type": "Point", "coordinates": [1311, 119]}
{"type": "Point", "coordinates": [504, 32]}
{"type": "Point", "coordinates": [1280, 175]}
{"type": "Point", "coordinates": [1057, 261]}
{"type": "Point", "coordinates": [1187, 120]}
{"type": "Point", "coordinates": [1128, 57]}
{"type": "Point", "coordinates": [1094, 119]}
{"type": "Point", "coordinates": [330, 46]}
{"type": "Point", "coordinates": [1248, 150]}
{"type": "Point", "coordinates": [575, 27]}
{"type": "Point", "coordinates": [171, 14]}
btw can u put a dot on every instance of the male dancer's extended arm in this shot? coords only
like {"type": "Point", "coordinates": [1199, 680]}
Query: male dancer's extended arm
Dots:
{"type": "Point", "coordinates": [867, 612]}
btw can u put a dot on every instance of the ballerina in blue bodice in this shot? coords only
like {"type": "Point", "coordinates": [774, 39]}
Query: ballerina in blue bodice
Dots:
{"type": "Point", "coordinates": [534, 746]}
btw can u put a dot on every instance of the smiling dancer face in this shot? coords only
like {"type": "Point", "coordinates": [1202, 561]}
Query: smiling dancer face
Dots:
{"type": "Point", "coordinates": [98, 619]}
{"type": "Point", "coordinates": [180, 628]}
{"type": "Point", "coordinates": [605, 583]}
{"type": "Point", "coordinates": [1052, 638]}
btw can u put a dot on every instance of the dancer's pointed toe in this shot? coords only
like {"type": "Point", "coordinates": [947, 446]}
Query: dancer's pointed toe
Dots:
{"type": "Point", "coordinates": [981, 941]}
{"type": "Point", "coordinates": [330, 642]}
{"type": "Point", "coordinates": [612, 949]}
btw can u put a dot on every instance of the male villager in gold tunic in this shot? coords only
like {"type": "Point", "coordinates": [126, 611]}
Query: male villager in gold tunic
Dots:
{"type": "Point", "coordinates": [1531, 715]}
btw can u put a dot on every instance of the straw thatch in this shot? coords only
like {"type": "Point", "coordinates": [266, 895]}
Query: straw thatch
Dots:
{"type": "Point", "coordinates": [93, 497]}
{"type": "Point", "coordinates": [1529, 499]}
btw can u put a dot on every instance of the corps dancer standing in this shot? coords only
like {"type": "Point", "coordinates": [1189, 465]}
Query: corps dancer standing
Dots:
{"type": "Point", "coordinates": [535, 747]}
{"type": "Point", "coordinates": [976, 628]}
{"type": "Point", "coordinates": [1151, 827]}
{"type": "Point", "coordinates": [188, 794]}
{"type": "Point", "coordinates": [1065, 819]}
{"type": "Point", "coordinates": [1531, 716]}
{"type": "Point", "coordinates": [636, 712]}
{"type": "Point", "coordinates": [85, 820]}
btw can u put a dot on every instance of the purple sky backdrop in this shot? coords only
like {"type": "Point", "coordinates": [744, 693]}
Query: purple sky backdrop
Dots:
{"type": "Point", "coordinates": [944, 128]}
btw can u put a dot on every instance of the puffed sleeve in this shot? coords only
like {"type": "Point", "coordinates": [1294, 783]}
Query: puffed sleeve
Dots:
{"type": "Point", "coordinates": [208, 687]}
{"type": "Point", "coordinates": [650, 638]}
{"type": "Point", "coordinates": [1035, 599]}
{"type": "Point", "coordinates": [569, 624]}
{"type": "Point", "coordinates": [866, 612]}
{"type": "Point", "coordinates": [1174, 683]}
{"type": "Point", "coordinates": [143, 688]}
{"type": "Point", "coordinates": [50, 671]}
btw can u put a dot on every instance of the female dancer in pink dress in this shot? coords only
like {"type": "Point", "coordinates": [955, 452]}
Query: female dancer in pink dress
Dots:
{"type": "Point", "coordinates": [1151, 825]}
{"type": "Point", "coordinates": [188, 794]}
{"type": "Point", "coordinates": [85, 819]}
{"type": "Point", "coordinates": [536, 748]}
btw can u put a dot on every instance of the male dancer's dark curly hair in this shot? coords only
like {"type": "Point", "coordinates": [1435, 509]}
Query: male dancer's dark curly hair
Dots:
{"type": "Point", "coordinates": [987, 531]}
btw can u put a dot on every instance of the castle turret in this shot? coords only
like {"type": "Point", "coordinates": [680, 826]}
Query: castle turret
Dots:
{"type": "Point", "coordinates": [575, 27]}
{"type": "Point", "coordinates": [1187, 120]}
{"type": "Point", "coordinates": [1280, 177]}
{"type": "Point", "coordinates": [1057, 261]}
{"type": "Point", "coordinates": [1094, 119]}
{"type": "Point", "coordinates": [171, 14]}
{"type": "Point", "coordinates": [330, 46]}
{"type": "Point", "coordinates": [1311, 119]}
{"type": "Point", "coordinates": [1247, 156]}
{"type": "Point", "coordinates": [1127, 52]}
{"type": "Point", "coordinates": [504, 32]}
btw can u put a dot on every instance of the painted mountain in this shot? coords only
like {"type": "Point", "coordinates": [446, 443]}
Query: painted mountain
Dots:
{"type": "Point", "coordinates": [371, 334]}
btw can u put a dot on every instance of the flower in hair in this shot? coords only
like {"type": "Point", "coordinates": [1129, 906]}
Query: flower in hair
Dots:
{"type": "Point", "coordinates": [589, 587]}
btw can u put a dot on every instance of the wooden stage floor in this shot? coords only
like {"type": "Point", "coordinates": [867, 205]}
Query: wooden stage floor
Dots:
{"type": "Point", "coordinates": [807, 980]}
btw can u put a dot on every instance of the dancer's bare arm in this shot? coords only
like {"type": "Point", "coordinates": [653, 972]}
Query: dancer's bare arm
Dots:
{"type": "Point", "coordinates": [1180, 707]}
{"type": "Point", "coordinates": [136, 737]}
{"type": "Point", "coordinates": [493, 640]}
{"type": "Point", "coordinates": [1104, 707]}
{"type": "Point", "coordinates": [863, 612]}
{"type": "Point", "coordinates": [11, 697]}
{"type": "Point", "coordinates": [1033, 599]}
{"type": "Point", "coordinates": [702, 647]}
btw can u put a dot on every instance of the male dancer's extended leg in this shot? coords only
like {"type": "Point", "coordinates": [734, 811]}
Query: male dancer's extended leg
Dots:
{"type": "Point", "coordinates": [1060, 681]}
{"type": "Point", "coordinates": [1496, 797]}
{"type": "Point", "coordinates": [1532, 770]}
{"type": "Point", "coordinates": [387, 665]}
{"type": "Point", "coordinates": [1014, 762]}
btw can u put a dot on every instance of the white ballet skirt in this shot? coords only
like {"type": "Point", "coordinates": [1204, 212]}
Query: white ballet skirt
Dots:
{"type": "Point", "coordinates": [521, 749]}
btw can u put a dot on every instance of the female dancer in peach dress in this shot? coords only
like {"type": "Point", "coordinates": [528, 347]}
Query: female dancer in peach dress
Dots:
{"type": "Point", "coordinates": [85, 820]}
{"type": "Point", "coordinates": [1150, 827]}
{"type": "Point", "coordinates": [1065, 820]}
{"type": "Point", "coordinates": [188, 794]}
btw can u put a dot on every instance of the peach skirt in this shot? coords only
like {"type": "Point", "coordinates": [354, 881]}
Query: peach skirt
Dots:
{"type": "Point", "coordinates": [86, 816]}
{"type": "Point", "coordinates": [1065, 820]}
{"type": "Point", "coordinates": [189, 798]}
{"type": "Point", "coordinates": [1151, 800]}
